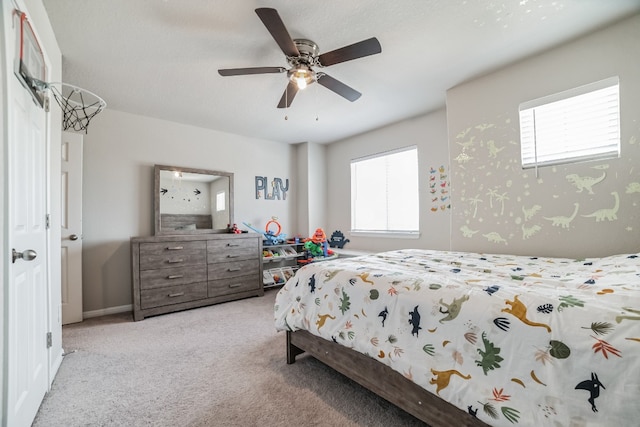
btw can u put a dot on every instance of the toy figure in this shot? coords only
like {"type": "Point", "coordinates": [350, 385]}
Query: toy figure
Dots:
{"type": "Point", "coordinates": [314, 249]}
{"type": "Point", "coordinates": [337, 240]}
{"type": "Point", "coordinates": [317, 244]}
{"type": "Point", "coordinates": [234, 229]}
{"type": "Point", "coordinates": [318, 237]}
{"type": "Point", "coordinates": [270, 238]}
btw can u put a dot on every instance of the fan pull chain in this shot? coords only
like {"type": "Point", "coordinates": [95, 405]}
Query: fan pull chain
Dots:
{"type": "Point", "coordinates": [286, 98]}
{"type": "Point", "coordinates": [315, 95]}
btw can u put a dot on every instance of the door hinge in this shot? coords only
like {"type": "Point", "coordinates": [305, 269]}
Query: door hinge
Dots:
{"type": "Point", "coordinates": [49, 340]}
{"type": "Point", "coordinates": [48, 221]}
{"type": "Point", "coordinates": [46, 104]}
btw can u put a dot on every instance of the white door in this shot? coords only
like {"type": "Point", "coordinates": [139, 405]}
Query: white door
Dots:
{"type": "Point", "coordinates": [71, 192]}
{"type": "Point", "coordinates": [27, 293]}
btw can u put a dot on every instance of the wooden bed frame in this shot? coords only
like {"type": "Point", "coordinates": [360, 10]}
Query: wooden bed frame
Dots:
{"type": "Point", "coordinates": [380, 379]}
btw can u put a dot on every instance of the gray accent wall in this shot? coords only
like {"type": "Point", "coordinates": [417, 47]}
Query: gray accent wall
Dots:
{"type": "Point", "coordinates": [120, 151]}
{"type": "Point", "coordinates": [429, 134]}
{"type": "Point", "coordinates": [487, 204]}
{"type": "Point", "coordinates": [312, 185]}
{"type": "Point", "coordinates": [577, 210]}
{"type": "Point", "coordinates": [573, 210]}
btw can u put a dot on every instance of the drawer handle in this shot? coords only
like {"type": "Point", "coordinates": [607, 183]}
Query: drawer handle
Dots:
{"type": "Point", "coordinates": [232, 256]}
{"type": "Point", "coordinates": [177, 294]}
{"type": "Point", "coordinates": [177, 276]}
{"type": "Point", "coordinates": [235, 285]}
{"type": "Point", "coordinates": [234, 269]}
{"type": "Point", "coordinates": [175, 261]}
{"type": "Point", "coordinates": [175, 248]}
{"type": "Point", "coordinates": [232, 245]}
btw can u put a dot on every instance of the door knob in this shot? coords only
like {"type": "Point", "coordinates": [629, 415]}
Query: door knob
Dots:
{"type": "Point", "coordinates": [73, 237]}
{"type": "Point", "coordinates": [28, 255]}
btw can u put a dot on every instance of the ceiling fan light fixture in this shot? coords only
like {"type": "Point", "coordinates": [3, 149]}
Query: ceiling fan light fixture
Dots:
{"type": "Point", "coordinates": [302, 76]}
{"type": "Point", "coordinates": [303, 54]}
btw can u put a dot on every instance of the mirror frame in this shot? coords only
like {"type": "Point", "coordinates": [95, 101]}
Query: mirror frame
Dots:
{"type": "Point", "coordinates": [156, 199]}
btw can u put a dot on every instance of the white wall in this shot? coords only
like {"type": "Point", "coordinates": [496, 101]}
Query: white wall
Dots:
{"type": "Point", "coordinates": [120, 151]}
{"type": "Point", "coordinates": [429, 134]}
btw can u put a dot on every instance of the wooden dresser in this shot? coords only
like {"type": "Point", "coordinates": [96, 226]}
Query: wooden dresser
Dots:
{"type": "Point", "coordinates": [172, 273]}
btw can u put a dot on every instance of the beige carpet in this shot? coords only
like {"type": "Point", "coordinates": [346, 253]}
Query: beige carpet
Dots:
{"type": "Point", "coordinates": [222, 365]}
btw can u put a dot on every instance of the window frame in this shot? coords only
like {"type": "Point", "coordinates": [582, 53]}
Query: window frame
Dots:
{"type": "Point", "coordinates": [561, 101]}
{"type": "Point", "coordinates": [409, 233]}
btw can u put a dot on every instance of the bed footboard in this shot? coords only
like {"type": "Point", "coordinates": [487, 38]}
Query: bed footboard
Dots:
{"type": "Point", "coordinates": [380, 379]}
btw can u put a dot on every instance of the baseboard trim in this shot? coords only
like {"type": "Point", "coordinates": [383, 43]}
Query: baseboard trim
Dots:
{"type": "Point", "coordinates": [107, 311]}
{"type": "Point", "coordinates": [55, 365]}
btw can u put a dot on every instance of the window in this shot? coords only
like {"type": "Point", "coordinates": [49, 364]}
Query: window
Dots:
{"type": "Point", "coordinates": [384, 192]}
{"type": "Point", "coordinates": [575, 125]}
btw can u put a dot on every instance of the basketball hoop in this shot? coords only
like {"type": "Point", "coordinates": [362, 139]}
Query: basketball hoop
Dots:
{"type": "Point", "coordinates": [78, 105]}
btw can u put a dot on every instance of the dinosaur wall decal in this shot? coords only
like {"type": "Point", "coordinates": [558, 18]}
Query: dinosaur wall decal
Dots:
{"type": "Point", "coordinates": [585, 182]}
{"type": "Point", "coordinates": [608, 214]}
{"type": "Point", "coordinates": [563, 221]}
{"type": "Point", "coordinates": [529, 213]}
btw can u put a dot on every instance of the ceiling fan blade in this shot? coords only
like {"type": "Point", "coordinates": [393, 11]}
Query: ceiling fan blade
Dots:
{"type": "Point", "coordinates": [338, 87]}
{"type": "Point", "coordinates": [288, 95]}
{"type": "Point", "coordinates": [274, 24]}
{"type": "Point", "coordinates": [253, 70]}
{"type": "Point", "coordinates": [354, 51]}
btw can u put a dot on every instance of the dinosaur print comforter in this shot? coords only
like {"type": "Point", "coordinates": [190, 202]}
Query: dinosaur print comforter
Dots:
{"type": "Point", "coordinates": [513, 340]}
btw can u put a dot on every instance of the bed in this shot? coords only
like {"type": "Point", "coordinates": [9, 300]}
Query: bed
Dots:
{"type": "Point", "coordinates": [461, 338]}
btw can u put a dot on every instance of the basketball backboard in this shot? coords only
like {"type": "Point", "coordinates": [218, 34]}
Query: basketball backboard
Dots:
{"type": "Point", "coordinates": [30, 65]}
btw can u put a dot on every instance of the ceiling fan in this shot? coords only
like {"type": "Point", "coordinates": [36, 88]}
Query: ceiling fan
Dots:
{"type": "Point", "coordinates": [302, 56]}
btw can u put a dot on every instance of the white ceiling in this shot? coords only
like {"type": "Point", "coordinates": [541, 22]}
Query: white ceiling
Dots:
{"type": "Point", "coordinates": [159, 58]}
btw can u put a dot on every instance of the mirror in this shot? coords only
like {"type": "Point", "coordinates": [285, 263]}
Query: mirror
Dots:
{"type": "Point", "coordinates": [192, 201]}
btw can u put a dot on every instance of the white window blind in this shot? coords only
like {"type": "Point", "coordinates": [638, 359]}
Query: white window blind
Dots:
{"type": "Point", "coordinates": [575, 125]}
{"type": "Point", "coordinates": [384, 192]}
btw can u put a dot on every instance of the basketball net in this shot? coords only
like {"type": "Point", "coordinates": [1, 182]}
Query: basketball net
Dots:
{"type": "Point", "coordinates": [78, 105]}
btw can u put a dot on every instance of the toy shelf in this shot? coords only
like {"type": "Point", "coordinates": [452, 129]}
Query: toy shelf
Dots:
{"type": "Point", "coordinates": [280, 263]}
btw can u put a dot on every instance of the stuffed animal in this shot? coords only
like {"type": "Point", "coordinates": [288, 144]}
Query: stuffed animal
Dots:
{"type": "Point", "coordinates": [337, 240]}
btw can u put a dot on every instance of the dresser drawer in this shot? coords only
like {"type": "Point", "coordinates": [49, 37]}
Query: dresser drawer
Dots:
{"type": "Point", "coordinates": [233, 285]}
{"type": "Point", "coordinates": [168, 295]}
{"type": "Point", "coordinates": [224, 250]}
{"type": "Point", "coordinates": [169, 254]}
{"type": "Point", "coordinates": [233, 269]}
{"type": "Point", "coordinates": [150, 279]}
